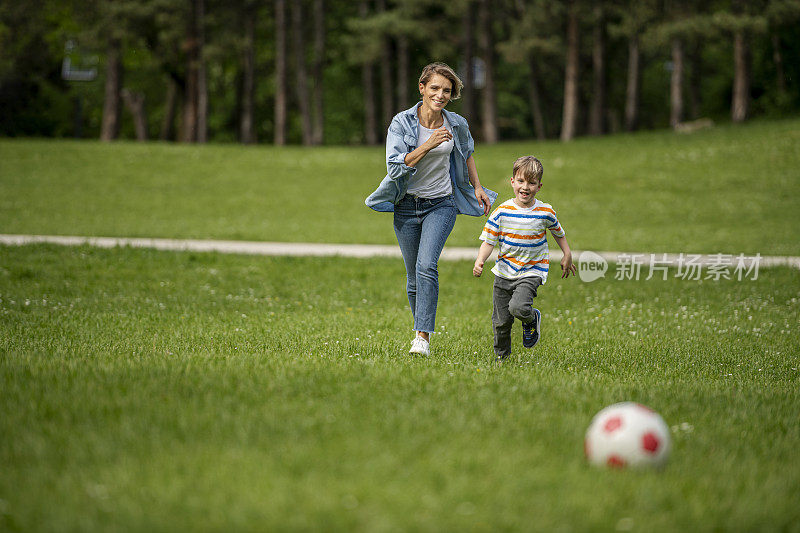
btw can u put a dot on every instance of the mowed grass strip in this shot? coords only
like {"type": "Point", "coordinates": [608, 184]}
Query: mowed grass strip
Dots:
{"type": "Point", "coordinates": [730, 189]}
{"type": "Point", "coordinates": [162, 391]}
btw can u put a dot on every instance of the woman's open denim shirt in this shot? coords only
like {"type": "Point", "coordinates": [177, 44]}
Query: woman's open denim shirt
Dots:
{"type": "Point", "coordinates": [401, 139]}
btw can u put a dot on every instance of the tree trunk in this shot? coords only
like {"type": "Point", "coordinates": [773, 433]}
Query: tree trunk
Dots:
{"type": "Point", "coordinates": [318, 133]}
{"type": "Point", "coordinates": [777, 57]}
{"type": "Point", "coordinates": [280, 73]}
{"type": "Point", "coordinates": [368, 83]}
{"type": "Point", "coordinates": [741, 78]}
{"type": "Point", "coordinates": [536, 103]}
{"type": "Point", "coordinates": [468, 92]}
{"type": "Point", "coordinates": [570, 115]}
{"type": "Point", "coordinates": [489, 91]}
{"type": "Point", "coordinates": [298, 42]}
{"type": "Point", "coordinates": [676, 84]}
{"type": "Point", "coordinates": [696, 68]}
{"type": "Point", "coordinates": [613, 122]}
{"type": "Point", "coordinates": [370, 116]}
{"type": "Point", "coordinates": [135, 104]}
{"type": "Point", "coordinates": [387, 84]}
{"type": "Point", "coordinates": [247, 133]}
{"type": "Point", "coordinates": [170, 106]}
{"type": "Point", "coordinates": [202, 80]}
{"type": "Point", "coordinates": [191, 93]}
{"type": "Point", "coordinates": [598, 110]}
{"type": "Point", "coordinates": [632, 88]}
{"type": "Point", "coordinates": [402, 72]}
{"type": "Point", "coordinates": [111, 101]}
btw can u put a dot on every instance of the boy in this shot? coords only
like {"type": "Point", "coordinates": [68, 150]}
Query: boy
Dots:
{"type": "Point", "coordinates": [520, 226]}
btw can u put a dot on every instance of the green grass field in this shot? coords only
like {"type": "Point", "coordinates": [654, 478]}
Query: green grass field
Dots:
{"type": "Point", "coordinates": [724, 190]}
{"type": "Point", "coordinates": [160, 391]}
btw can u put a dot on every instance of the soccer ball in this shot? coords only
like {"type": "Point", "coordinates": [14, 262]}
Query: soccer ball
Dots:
{"type": "Point", "coordinates": [627, 434]}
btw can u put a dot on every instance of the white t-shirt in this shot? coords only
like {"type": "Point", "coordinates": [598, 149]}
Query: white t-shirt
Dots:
{"type": "Point", "coordinates": [522, 235]}
{"type": "Point", "coordinates": [432, 179]}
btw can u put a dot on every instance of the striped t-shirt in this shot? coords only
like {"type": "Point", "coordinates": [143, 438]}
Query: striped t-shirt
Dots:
{"type": "Point", "coordinates": [522, 235]}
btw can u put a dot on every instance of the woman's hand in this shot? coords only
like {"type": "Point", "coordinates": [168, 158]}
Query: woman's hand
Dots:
{"type": "Point", "coordinates": [480, 194]}
{"type": "Point", "coordinates": [483, 198]}
{"type": "Point", "coordinates": [438, 137]}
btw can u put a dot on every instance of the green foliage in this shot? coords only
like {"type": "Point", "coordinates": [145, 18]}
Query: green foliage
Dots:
{"type": "Point", "coordinates": [37, 102]}
{"type": "Point", "coordinates": [632, 18]}
{"type": "Point", "coordinates": [782, 13]}
{"type": "Point", "coordinates": [31, 91]}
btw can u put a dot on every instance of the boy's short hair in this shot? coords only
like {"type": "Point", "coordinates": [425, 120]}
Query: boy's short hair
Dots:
{"type": "Point", "coordinates": [530, 166]}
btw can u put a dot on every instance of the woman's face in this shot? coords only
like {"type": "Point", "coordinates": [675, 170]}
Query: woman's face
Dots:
{"type": "Point", "coordinates": [436, 93]}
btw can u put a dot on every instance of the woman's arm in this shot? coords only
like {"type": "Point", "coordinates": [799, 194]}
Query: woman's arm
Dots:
{"type": "Point", "coordinates": [437, 137]}
{"type": "Point", "coordinates": [480, 194]}
{"type": "Point", "coordinates": [396, 152]}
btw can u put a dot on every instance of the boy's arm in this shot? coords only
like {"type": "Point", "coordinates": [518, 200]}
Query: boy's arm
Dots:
{"type": "Point", "coordinates": [483, 254]}
{"type": "Point", "coordinates": [567, 265]}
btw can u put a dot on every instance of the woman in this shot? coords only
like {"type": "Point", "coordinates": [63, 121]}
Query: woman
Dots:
{"type": "Point", "coordinates": [431, 178]}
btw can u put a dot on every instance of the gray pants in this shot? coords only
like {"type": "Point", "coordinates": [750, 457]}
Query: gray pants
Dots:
{"type": "Point", "coordinates": [511, 298]}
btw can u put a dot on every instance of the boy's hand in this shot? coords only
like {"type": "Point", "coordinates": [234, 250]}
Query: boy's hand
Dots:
{"type": "Point", "coordinates": [567, 266]}
{"type": "Point", "coordinates": [483, 254]}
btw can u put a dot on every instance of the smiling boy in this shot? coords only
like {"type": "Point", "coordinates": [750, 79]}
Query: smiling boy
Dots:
{"type": "Point", "coordinates": [520, 226]}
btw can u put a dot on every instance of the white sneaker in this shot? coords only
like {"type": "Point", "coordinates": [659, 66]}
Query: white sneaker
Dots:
{"type": "Point", "coordinates": [420, 346]}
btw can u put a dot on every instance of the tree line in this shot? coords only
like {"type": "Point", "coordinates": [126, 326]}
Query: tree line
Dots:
{"type": "Point", "coordinates": [335, 72]}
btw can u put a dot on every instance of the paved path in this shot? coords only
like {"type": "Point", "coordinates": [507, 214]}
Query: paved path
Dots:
{"type": "Point", "coordinates": [450, 253]}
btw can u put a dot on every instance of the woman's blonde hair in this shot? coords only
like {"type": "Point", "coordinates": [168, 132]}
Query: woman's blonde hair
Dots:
{"type": "Point", "coordinates": [443, 70]}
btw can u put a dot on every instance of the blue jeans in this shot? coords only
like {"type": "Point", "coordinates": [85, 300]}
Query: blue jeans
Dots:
{"type": "Point", "coordinates": [422, 226]}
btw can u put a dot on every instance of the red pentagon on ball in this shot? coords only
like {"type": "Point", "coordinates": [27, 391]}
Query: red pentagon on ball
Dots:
{"type": "Point", "coordinates": [650, 442]}
{"type": "Point", "coordinates": [612, 424]}
{"type": "Point", "coordinates": [615, 461]}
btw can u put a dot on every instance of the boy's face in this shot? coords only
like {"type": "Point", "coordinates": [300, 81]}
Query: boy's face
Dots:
{"type": "Point", "coordinates": [525, 189]}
